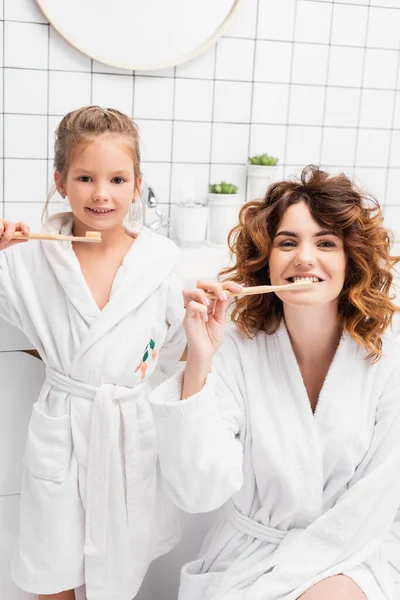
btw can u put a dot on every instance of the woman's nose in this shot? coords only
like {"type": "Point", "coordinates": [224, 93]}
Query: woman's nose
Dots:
{"type": "Point", "coordinates": [305, 255]}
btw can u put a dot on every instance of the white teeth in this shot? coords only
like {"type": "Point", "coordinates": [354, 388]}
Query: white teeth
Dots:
{"type": "Point", "coordinates": [100, 210]}
{"type": "Point", "coordinates": [310, 279]}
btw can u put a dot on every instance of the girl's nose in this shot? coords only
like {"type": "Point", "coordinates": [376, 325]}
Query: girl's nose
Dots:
{"type": "Point", "coordinates": [100, 195]}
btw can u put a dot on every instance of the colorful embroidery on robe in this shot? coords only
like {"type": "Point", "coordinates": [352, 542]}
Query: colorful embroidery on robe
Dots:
{"type": "Point", "coordinates": [143, 363]}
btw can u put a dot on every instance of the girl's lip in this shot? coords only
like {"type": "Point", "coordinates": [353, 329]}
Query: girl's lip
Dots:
{"type": "Point", "coordinates": [99, 214]}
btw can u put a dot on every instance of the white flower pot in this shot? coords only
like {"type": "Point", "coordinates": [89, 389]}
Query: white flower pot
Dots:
{"type": "Point", "coordinates": [259, 178]}
{"type": "Point", "coordinates": [191, 225]}
{"type": "Point", "coordinates": [223, 215]}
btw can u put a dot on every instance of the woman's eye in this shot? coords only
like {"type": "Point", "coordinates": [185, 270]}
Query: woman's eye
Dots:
{"type": "Point", "coordinates": [287, 244]}
{"type": "Point", "coordinates": [84, 178]}
{"type": "Point", "coordinates": [117, 180]}
{"type": "Point", "coordinates": [327, 244]}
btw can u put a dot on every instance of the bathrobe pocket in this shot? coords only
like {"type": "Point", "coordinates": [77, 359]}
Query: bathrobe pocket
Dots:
{"type": "Point", "coordinates": [198, 585]}
{"type": "Point", "coordinates": [49, 446]}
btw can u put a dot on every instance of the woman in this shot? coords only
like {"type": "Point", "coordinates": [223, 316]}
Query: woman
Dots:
{"type": "Point", "coordinates": [296, 420]}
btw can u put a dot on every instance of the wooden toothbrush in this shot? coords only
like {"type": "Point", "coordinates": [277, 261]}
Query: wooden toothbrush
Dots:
{"type": "Point", "coordinates": [264, 289]}
{"type": "Point", "coordinates": [90, 236]}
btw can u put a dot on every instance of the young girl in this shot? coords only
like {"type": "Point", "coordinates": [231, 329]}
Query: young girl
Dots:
{"type": "Point", "coordinates": [296, 420]}
{"type": "Point", "coordinates": [103, 317]}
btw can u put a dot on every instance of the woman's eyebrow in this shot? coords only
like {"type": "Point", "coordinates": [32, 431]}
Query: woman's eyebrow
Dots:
{"type": "Point", "coordinates": [318, 234]}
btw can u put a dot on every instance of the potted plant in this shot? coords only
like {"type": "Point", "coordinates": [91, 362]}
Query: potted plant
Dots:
{"type": "Point", "coordinates": [262, 170]}
{"type": "Point", "coordinates": [224, 204]}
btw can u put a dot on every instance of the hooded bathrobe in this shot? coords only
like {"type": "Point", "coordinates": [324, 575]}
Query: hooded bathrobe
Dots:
{"type": "Point", "coordinates": [307, 495]}
{"type": "Point", "coordinates": [92, 507]}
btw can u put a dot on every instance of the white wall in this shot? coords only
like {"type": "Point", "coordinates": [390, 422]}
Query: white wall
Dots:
{"type": "Point", "coordinates": [306, 80]}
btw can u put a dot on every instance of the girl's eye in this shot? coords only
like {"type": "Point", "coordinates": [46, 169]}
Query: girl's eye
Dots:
{"type": "Point", "coordinates": [84, 178]}
{"type": "Point", "coordinates": [117, 180]}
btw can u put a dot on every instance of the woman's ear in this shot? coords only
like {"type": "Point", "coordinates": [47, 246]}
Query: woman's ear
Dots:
{"type": "Point", "coordinates": [59, 183]}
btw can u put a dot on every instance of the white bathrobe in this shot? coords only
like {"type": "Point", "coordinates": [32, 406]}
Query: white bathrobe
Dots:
{"type": "Point", "coordinates": [92, 507]}
{"type": "Point", "coordinates": [309, 495]}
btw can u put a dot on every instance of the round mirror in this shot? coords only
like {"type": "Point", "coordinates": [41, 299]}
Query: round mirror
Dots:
{"type": "Point", "coordinates": [141, 35]}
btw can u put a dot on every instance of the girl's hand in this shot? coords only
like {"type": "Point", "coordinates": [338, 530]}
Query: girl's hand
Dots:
{"type": "Point", "coordinates": [7, 229]}
{"type": "Point", "coordinates": [205, 319]}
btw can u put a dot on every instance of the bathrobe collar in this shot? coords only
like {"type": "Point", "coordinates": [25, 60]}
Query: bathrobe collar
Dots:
{"type": "Point", "coordinates": [149, 261]}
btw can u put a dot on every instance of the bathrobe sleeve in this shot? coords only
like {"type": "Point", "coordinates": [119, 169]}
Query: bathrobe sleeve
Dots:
{"type": "Point", "coordinates": [10, 302]}
{"type": "Point", "coordinates": [345, 535]}
{"type": "Point", "coordinates": [175, 340]}
{"type": "Point", "coordinates": [201, 454]}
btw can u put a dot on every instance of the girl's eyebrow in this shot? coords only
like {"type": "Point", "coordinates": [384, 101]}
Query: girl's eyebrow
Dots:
{"type": "Point", "coordinates": [321, 233]}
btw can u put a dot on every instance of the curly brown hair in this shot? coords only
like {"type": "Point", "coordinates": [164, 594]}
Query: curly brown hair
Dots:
{"type": "Point", "coordinates": [366, 306]}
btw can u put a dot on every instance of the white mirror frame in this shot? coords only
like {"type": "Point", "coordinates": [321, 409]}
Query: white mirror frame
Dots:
{"type": "Point", "coordinates": [70, 35]}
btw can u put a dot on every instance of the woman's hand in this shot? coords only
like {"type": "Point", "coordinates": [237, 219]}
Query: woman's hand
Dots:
{"type": "Point", "coordinates": [7, 229]}
{"type": "Point", "coordinates": [205, 319]}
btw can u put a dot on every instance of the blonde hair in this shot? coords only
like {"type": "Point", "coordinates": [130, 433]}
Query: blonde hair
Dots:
{"type": "Point", "coordinates": [82, 126]}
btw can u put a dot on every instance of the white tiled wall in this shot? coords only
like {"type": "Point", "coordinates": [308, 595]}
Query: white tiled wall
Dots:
{"type": "Point", "coordinates": [306, 80]}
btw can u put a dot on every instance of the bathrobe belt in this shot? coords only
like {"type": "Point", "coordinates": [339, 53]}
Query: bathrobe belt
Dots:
{"type": "Point", "coordinates": [99, 448]}
{"type": "Point", "coordinates": [253, 528]}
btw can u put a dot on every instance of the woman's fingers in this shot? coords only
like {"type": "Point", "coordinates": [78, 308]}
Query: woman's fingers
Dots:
{"type": "Point", "coordinates": [194, 309]}
{"type": "Point", "coordinates": [24, 227]}
{"type": "Point", "coordinates": [7, 229]}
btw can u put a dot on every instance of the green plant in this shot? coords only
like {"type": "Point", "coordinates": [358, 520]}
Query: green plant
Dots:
{"type": "Point", "coordinates": [263, 160]}
{"type": "Point", "coordinates": [222, 188]}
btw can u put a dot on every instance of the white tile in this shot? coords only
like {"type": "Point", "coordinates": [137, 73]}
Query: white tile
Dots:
{"type": "Point", "coordinates": [244, 20]}
{"type": "Point", "coordinates": [345, 66]}
{"type": "Point", "coordinates": [147, 94]}
{"type": "Point", "coordinates": [232, 101]}
{"type": "Point", "coordinates": [342, 105]}
{"type": "Point", "coordinates": [306, 105]}
{"type": "Point", "coordinates": [349, 24]}
{"type": "Point", "coordinates": [270, 103]}
{"type": "Point", "coordinates": [313, 22]}
{"type": "Point", "coordinates": [196, 176]}
{"type": "Point", "coordinates": [23, 10]}
{"type": "Point", "coordinates": [32, 171]}
{"type": "Point", "coordinates": [393, 187]}
{"type": "Point", "coordinates": [168, 72]}
{"type": "Point", "coordinates": [276, 69]}
{"type": "Point", "coordinates": [395, 150]}
{"type": "Point", "coordinates": [30, 212]}
{"type": "Point", "coordinates": [376, 108]}
{"type": "Point", "coordinates": [113, 91]}
{"type": "Point", "coordinates": [384, 28]}
{"type": "Point", "coordinates": [25, 45]}
{"type": "Point", "coordinates": [372, 148]}
{"type": "Point", "coordinates": [1, 191]}
{"type": "Point", "coordinates": [25, 91]}
{"type": "Point", "coordinates": [158, 176]}
{"type": "Point", "coordinates": [1, 41]}
{"type": "Point", "coordinates": [193, 100]}
{"type": "Point", "coordinates": [338, 146]}
{"type": "Point", "coordinates": [396, 122]}
{"type": "Point", "coordinates": [1, 135]}
{"type": "Point", "coordinates": [268, 139]}
{"type": "Point", "coordinates": [235, 59]}
{"type": "Point", "coordinates": [53, 123]}
{"type": "Point", "coordinates": [63, 56]}
{"type": "Point", "coordinates": [235, 174]}
{"type": "Point", "coordinates": [25, 136]}
{"type": "Point", "coordinates": [2, 9]}
{"type": "Point", "coordinates": [276, 19]}
{"type": "Point", "coordinates": [230, 143]}
{"type": "Point", "coordinates": [392, 220]}
{"type": "Point", "coordinates": [9, 515]}
{"type": "Point", "coordinates": [372, 181]}
{"type": "Point", "coordinates": [380, 68]}
{"type": "Point", "coordinates": [99, 67]}
{"type": "Point", "coordinates": [201, 67]}
{"type": "Point", "coordinates": [155, 139]}
{"type": "Point", "coordinates": [191, 142]}
{"type": "Point", "coordinates": [310, 63]}
{"type": "Point", "coordinates": [303, 145]}
{"type": "Point", "coordinates": [16, 408]}
{"type": "Point", "coordinates": [68, 91]}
